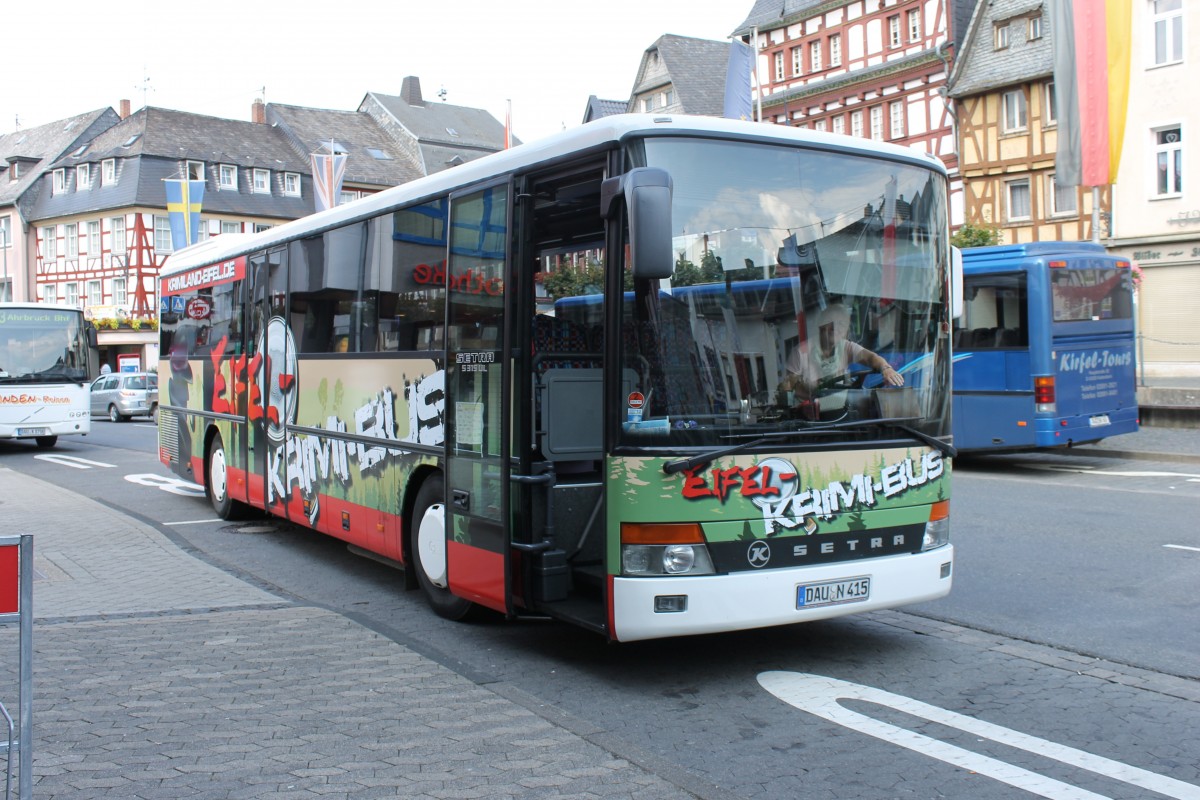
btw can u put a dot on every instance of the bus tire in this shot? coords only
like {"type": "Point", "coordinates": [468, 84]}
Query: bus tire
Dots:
{"type": "Point", "coordinates": [428, 547]}
{"type": "Point", "coordinates": [216, 482]}
{"type": "Point", "coordinates": [46, 442]}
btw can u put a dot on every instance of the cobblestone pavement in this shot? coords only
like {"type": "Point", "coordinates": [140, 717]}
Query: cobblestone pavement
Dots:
{"type": "Point", "coordinates": [157, 675]}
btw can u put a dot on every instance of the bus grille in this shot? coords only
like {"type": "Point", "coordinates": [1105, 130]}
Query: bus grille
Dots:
{"type": "Point", "coordinates": [168, 434]}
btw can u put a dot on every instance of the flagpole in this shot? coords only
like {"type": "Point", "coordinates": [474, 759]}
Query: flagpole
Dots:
{"type": "Point", "coordinates": [757, 83]}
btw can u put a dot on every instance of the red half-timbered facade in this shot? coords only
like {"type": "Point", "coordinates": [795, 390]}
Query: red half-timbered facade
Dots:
{"type": "Point", "coordinates": [867, 68]}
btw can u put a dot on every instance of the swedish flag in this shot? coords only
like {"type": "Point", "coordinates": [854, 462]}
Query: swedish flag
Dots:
{"type": "Point", "coordinates": [183, 209]}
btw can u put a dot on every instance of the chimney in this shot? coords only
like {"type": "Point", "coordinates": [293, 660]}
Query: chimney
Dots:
{"type": "Point", "coordinates": [410, 91]}
{"type": "Point", "coordinates": [124, 109]}
{"type": "Point", "coordinates": [258, 112]}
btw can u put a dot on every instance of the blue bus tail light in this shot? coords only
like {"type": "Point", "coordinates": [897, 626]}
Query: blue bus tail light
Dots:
{"type": "Point", "coordinates": [1043, 393]}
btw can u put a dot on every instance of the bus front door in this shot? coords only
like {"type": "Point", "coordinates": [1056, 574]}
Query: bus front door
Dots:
{"type": "Point", "coordinates": [272, 401]}
{"type": "Point", "coordinates": [477, 418]}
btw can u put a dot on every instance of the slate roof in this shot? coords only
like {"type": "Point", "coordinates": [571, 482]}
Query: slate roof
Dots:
{"type": "Point", "coordinates": [695, 67]}
{"type": "Point", "coordinates": [154, 143]}
{"type": "Point", "coordinates": [981, 67]}
{"type": "Point", "coordinates": [36, 148]}
{"type": "Point", "coordinates": [440, 134]}
{"type": "Point", "coordinates": [309, 130]}
{"type": "Point", "coordinates": [597, 108]}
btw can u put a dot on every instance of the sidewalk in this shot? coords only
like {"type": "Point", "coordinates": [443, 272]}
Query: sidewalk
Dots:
{"type": "Point", "coordinates": [157, 675]}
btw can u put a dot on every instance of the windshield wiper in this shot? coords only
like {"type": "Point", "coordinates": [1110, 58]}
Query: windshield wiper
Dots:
{"type": "Point", "coordinates": [899, 423]}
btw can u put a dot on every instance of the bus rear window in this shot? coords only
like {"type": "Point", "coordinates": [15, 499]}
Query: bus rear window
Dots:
{"type": "Point", "coordinates": [1091, 294]}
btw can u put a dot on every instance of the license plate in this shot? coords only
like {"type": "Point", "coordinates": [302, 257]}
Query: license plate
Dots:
{"type": "Point", "coordinates": [832, 593]}
{"type": "Point", "coordinates": [33, 431]}
{"type": "Point", "coordinates": [1099, 420]}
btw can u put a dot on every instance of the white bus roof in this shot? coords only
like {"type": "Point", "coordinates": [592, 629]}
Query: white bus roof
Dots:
{"type": "Point", "coordinates": [595, 134]}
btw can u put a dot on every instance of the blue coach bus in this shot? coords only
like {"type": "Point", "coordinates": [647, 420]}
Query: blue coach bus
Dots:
{"type": "Point", "coordinates": [1044, 352]}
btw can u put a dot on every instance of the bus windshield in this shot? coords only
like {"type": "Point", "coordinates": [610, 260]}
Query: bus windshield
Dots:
{"type": "Point", "coordinates": [42, 346]}
{"type": "Point", "coordinates": [809, 292]}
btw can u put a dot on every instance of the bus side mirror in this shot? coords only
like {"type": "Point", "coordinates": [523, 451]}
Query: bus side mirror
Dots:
{"type": "Point", "coordinates": [956, 283]}
{"type": "Point", "coordinates": [647, 193]}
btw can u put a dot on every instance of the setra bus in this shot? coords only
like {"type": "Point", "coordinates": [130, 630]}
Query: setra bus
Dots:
{"type": "Point", "coordinates": [548, 381]}
{"type": "Point", "coordinates": [1045, 348]}
{"type": "Point", "coordinates": [48, 357]}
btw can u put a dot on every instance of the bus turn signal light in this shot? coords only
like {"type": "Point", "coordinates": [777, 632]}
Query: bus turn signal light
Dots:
{"type": "Point", "coordinates": [661, 533]}
{"type": "Point", "coordinates": [1043, 393]}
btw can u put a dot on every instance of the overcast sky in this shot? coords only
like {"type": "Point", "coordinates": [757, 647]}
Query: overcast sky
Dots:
{"type": "Point", "coordinates": [215, 57]}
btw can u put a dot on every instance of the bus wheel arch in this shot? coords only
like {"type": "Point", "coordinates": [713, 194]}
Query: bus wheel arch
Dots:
{"type": "Point", "coordinates": [216, 478]}
{"type": "Point", "coordinates": [427, 549]}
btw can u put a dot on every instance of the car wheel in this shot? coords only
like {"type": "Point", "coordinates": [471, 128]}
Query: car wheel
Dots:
{"type": "Point", "coordinates": [216, 483]}
{"type": "Point", "coordinates": [114, 415]}
{"type": "Point", "coordinates": [46, 442]}
{"type": "Point", "coordinates": [428, 547]}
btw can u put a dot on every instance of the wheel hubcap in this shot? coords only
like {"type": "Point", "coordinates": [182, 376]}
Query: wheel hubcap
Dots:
{"type": "Point", "coordinates": [431, 545]}
{"type": "Point", "coordinates": [218, 474]}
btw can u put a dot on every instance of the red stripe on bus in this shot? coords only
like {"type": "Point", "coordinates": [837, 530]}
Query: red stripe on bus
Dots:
{"type": "Point", "coordinates": [476, 574]}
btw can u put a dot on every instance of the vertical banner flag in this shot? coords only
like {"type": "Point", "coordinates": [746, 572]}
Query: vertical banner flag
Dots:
{"type": "Point", "coordinates": [183, 211]}
{"type": "Point", "coordinates": [328, 171]}
{"type": "Point", "coordinates": [1091, 84]}
{"type": "Point", "coordinates": [738, 102]}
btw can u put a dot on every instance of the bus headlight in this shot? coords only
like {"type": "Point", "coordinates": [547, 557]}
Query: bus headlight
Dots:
{"type": "Point", "coordinates": [937, 529]}
{"type": "Point", "coordinates": [665, 559]}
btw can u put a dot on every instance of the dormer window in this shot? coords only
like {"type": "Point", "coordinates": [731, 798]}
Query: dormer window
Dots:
{"type": "Point", "coordinates": [291, 184]}
{"type": "Point", "coordinates": [195, 170]}
{"type": "Point", "coordinates": [228, 176]}
{"type": "Point", "coordinates": [262, 181]}
{"type": "Point", "coordinates": [1002, 36]}
{"type": "Point", "coordinates": [83, 177]}
{"type": "Point", "coordinates": [108, 172]}
{"type": "Point", "coordinates": [60, 181]}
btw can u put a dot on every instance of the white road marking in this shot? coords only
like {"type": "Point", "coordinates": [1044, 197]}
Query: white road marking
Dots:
{"type": "Point", "coordinates": [1191, 476]}
{"type": "Point", "coordinates": [172, 485]}
{"type": "Point", "coordinates": [1182, 547]}
{"type": "Point", "coordinates": [820, 695]}
{"type": "Point", "coordinates": [72, 461]}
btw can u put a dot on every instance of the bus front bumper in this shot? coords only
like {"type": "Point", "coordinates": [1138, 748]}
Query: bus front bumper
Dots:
{"type": "Point", "coordinates": [758, 599]}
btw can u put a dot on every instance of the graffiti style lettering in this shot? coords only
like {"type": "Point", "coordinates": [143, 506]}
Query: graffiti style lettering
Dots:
{"type": "Point", "coordinates": [426, 409]}
{"type": "Point", "coordinates": [753, 482]}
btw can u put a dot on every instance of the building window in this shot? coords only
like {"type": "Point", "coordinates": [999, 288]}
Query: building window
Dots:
{"type": "Point", "coordinates": [71, 235]}
{"type": "Point", "coordinates": [1018, 200]}
{"type": "Point", "coordinates": [72, 294]}
{"type": "Point", "coordinates": [228, 176]}
{"type": "Point", "coordinates": [231, 227]}
{"type": "Point", "coordinates": [195, 171]}
{"type": "Point", "coordinates": [1168, 31]}
{"type": "Point", "coordinates": [856, 125]}
{"type": "Point", "coordinates": [108, 172]}
{"type": "Point", "coordinates": [117, 246]}
{"type": "Point", "coordinates": [1051, 103]}
{"type": "Point", "coordinates": [348, 197]}
{"type": "Point", "coordinates": [669, 97]}
{"type": "Point", "coordinates": [894, 31]}
{"type": "Point", "coordinates": [50, 293]}
{"type": "Point", "coordinates": [1168, 161]}
{"type": "Point", "coordinates": [94, 297]}
{"type": "Point", "coordinates": [835, 50]}
{"type": "Point", "coordinates": [814, 54]}
{"type": "Point", "coordinates": [647, 105]}
{"type": "Point", "coordinates": [291, 184]}
{"type": "Point", "coordinates": [60, 181]}
{"type": "Point", "coordinates": [120, 296]}
{"type": "Point", "coordinates": [797, 58]}
{"type": "Point", "coordinates": [162, 234]}
{"type": "Point", "coordinates": [5, 232]}
{"type": "Point", "coordinates": [83, 177]}
{"type": "Point", "coordinates": [1035, 28]}
{"type": "Point", "coordinates": [897, 119]}
{"type": "Point", "coordinates": [877, 123]}
{"type": "Point", "coordinates": [819, 125]}
{"type": "Point", "coordinates": [93, 234]}
{"type": "Point", "coordinates": [914, 25]}
{"type": "Point", "coordinates": [1063, 199]}
{"type": "Point", "coordinates": [259, 227]}
{"type": "Point", "coordinates": [1015, 112]}
{"type": "Point", "coordinates": [50, 243]}
{"type": "Point", "coordinates": [1002, 36]}
{"type": "Point", "coordinates": [262, 181]}
{"type": "Point", "coordinates": [779, 66]}
{"type": "Point", "coordinates": [839, 124]}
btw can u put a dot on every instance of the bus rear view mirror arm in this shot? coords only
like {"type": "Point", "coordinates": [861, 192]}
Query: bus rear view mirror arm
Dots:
{"type": "Point", "coordinates": [647, 192]}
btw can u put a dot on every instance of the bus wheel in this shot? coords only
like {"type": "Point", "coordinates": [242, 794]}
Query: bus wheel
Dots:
{"type": "Point", "coordinates": [429, 551]}
{"type": "Point", "coordinates": [216, 483]}
{"type": "Point", "coordinates": [46, 442]}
